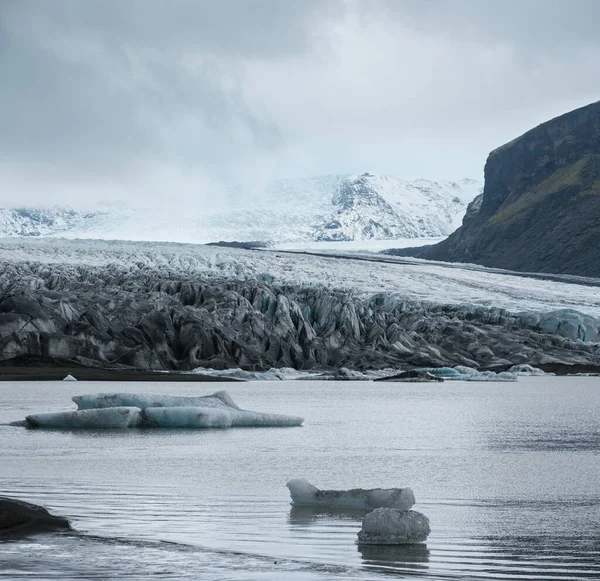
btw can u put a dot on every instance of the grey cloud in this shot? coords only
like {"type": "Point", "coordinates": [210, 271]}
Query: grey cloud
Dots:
{"type": "Point", "coordinates": [534, 26]}
{"type": "Point", "coordinates": [150, 97]}
{"type": "Point", "coordinates": [101, 88]}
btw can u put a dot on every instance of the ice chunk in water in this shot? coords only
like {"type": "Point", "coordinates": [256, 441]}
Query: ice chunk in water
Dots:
{"type": "Point", "coordinates": [69, 378]}
{"type": "Point", "coordinates": [122, 410]}
{"type": "Point", "coordinates": [306, 494]}
{"type": "Point", "coordinates": [111, 418]}
{"type": "Point", "coordinates": [220, 399]}
{"type": "Point", "coordinates": [187, 417]}
{"type": "Point", "coordinates": [388, 526]}
{"type": "Point", "coordinates": [525, 369]}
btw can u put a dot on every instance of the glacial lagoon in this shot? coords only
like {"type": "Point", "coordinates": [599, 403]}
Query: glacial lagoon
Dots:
{"type": "Point", "coordinates": [508, 474]}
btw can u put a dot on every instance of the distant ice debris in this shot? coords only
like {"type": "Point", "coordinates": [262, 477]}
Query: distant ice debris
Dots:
{"type": "Point", "coordinates": [304, 493]}
{"type": "Point", "coordinates": [459, 373]}
{"type": "Point", "coordinates": [463, 373]}
{"type": "Point", "coordinates": [412, 376]}
{"type": "Point", "coordinates": [525, 370]}
{"type": "Point", "coordinates": [108, 418]}
{"type": "Point", "coordinates": [130, 410]}
{"type": "Point", "coordinates": [273, 374]}
{"type": "Point", "coordinates": [69, 378]}
{"type": "Point", "coordinates": [389, 526]}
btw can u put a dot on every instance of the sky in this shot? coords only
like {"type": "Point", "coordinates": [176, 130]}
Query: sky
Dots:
{"type": "Point", "coordinates": [176, 102]}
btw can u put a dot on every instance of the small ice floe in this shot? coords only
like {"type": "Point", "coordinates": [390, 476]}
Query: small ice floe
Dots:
{"type": "Point", "coordinates": [304, 493]}
{"type": "Point", "coordinates": [130, 410]}
{"type": "Point", "coordinates": [69, 378]}
{"type": "Point", "coordinates": [390, 526]}
{"type": "Point", "coordinates": [525, 369]}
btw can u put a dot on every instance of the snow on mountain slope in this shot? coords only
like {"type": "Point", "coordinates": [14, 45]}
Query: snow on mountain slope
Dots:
{"type": "Point", "coordinates": [371, 207]}
{"type": "Point", "coordinates": [46, 221]}
{"type": "Point", "coordinates": [365, 207]}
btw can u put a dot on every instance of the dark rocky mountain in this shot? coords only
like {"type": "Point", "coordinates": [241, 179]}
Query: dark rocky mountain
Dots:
{"type": "Point", "coordinates": [540, 208]}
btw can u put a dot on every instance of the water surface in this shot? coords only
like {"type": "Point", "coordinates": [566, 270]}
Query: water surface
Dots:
{"type": "Point", "coordinates": [508, 473]}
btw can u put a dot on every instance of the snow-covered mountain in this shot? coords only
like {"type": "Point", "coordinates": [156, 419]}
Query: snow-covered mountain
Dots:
{"type": "Point", "coordinates": [359, 207]}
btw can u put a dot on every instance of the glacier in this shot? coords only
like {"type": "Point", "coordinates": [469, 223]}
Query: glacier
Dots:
{"type": "Point", "coordinates": [186, 307]}
{"type": "Point", "coordinates": [304, 493]}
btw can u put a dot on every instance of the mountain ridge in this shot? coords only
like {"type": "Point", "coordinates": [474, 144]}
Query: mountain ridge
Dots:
{"type": "Point", "coordinates": [540, 207]}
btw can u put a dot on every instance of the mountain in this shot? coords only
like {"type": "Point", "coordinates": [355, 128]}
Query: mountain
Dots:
{"type": "Point", "coordinates": [540, 208]}
{"type": "Point", "coordinates": [361, 207]}
{"type": "Point", "coordinates": [370, 207]}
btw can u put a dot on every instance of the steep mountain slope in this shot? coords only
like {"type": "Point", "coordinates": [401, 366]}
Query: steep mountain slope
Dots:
{"type": "Point", "coordinates": [362, 207]}
{"type": "Point", "coordinates": [385, 208]}
{"type": "Point", "coordinates": [540, 209]}
{"type": "Point", "coordinates": [47, 221]}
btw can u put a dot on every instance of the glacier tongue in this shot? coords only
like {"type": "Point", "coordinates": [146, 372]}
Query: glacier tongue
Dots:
{"type": "Point", "coordinates": [173, 307]}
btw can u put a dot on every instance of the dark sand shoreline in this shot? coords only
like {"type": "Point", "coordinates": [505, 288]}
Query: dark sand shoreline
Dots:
{"type": "Point", "coordinates": [95, 374]}
{"type": "Point", "coordinates": [34, 368]}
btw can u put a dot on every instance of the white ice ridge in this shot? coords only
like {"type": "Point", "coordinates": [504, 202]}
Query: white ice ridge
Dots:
{"type": "Point", "coordinates": [219, 399]}
{"type": "Point", "coordinates": [130, 410]}
{"type": "Point", "coordinates": [306, 494]}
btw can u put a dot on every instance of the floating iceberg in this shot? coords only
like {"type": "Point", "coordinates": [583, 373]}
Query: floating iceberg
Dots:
{"type": "Point", "coordinates": [305, 494]}
{"type": "Point", "coordinates": [130, 410]}
{"type": "Point", "coordinates": [389, 526]}
{"type": "Point", "coordinates": [110, 418]}
{"type": "Point", "coordinates": [69, 378]}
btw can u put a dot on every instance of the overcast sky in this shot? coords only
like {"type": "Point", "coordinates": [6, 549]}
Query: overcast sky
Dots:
{"type": "Point", "coordinates": [177, 100]}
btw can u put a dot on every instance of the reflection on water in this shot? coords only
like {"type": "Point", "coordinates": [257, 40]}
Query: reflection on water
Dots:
{"type": "Point", "coordinates": [308, 515]}
{"type": "Point", "coordinates": [508, 474]}
{"type": "Point", "coordinates": [398, 559]}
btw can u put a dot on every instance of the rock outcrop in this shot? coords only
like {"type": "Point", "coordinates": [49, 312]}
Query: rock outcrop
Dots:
{"type": "Point", "coordinates": [540, 208]}
{"type": "Point", "coordinates": [22, 518]}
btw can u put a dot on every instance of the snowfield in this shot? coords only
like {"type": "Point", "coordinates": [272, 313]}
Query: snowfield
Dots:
{"type": "Point", "coordinates": [407, 278]}
{"type": "Point", "coordinates": [361, 207]}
